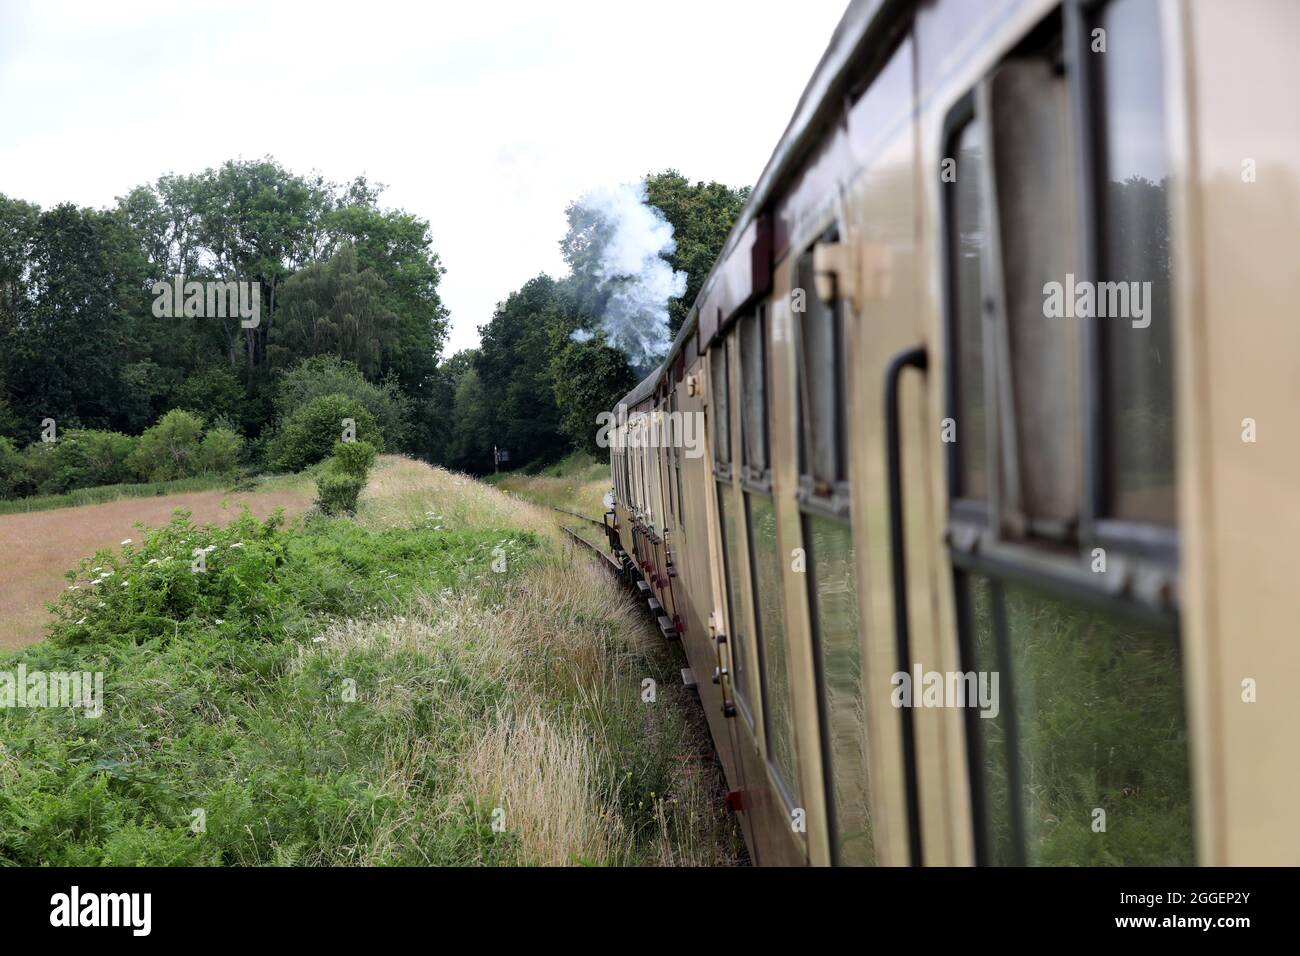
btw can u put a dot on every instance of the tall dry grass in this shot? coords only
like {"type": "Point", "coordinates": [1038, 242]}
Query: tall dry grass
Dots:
{"type": "Point", "coordinates": [578, 767]}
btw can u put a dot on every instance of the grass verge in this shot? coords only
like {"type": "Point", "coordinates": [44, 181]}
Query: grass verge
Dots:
{"type": "Point", "coordinates": [576, 483]}
{"type": "Point", "coordinates": [103, 493]}
{"type": "Point", "coordinates": [440, 681]}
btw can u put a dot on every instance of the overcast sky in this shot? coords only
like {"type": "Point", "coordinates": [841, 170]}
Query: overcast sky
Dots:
{"type": "Point", "coordinates": [486, 118]}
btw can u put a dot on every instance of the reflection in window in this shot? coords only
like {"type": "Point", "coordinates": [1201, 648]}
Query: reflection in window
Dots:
{"type": "Point", "coordinates": [835, 608]}
{"type": "Point", "coordinates": [1099, 723]}
{"type": "Point", "coordinates": [753, 363]}
{"type": "Point", "coordinates": [968, 211]}
{"type": "Point", "coordinates": [730, 544]}
{"type": "Point", "coordinates": [820, 352]}
{"type": "Point", "coordinates": [721, 415]}
{"type": "Point", "coordinates": [1139, 406]}
{"type": "Point", "coordinates": [771, 632]}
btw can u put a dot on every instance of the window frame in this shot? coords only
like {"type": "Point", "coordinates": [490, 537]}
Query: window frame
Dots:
{"type": "Point", "coordinates": [835, 508]}
{"type": "Point", "coordinates": [975, 547]}
{"type": "Point", "coordinates": [1096, 527]}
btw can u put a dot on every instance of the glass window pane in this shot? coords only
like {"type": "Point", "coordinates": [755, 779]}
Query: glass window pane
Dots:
{"type": "Point", "coordinates": [970, 238]}
{"type": "Point", "coordinates": [754, 408]}
{"type": "Point", "coordinates": [818, 383]}
{"type": "Point", "coordinates": [771, 632]}
{"type": "Point", "coordinates": [1099, 719]}
{"type": "Point", "coordinates": [740, 668]}
{"type": "Point", "coordinates": [721, 421]}
{"type": "Point", "coordinates": [1139, 403]}
{"type": "Point", "coordinates": [835, 609]}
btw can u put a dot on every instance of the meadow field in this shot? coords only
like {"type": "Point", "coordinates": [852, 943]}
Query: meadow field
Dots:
{"type": "Point", "coordinates": [42, 543]}
{"type": "Point", "coordinates": [440, 679]}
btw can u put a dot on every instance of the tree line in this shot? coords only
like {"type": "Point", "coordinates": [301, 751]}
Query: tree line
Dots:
{"type": "Point", "coordinates": [533, 386]}
{"type": "Point", "coordinates": [349, 307]}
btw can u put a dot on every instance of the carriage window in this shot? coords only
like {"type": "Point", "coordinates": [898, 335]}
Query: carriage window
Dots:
{"type": "Point", "coordinates": [834, 603]}
{"type": "Point", "coordinates": [832, 590]}
{"type": "Point", "coordinates": [721, 406]}
{"type": "Point", "coordinates": [730, 550]}
{"type": "Point", "coordinates": [765, 560]}
{"type": "Point", "coordinates": [1095, 722]}
{"type": "Point", "coordinates": [968, 241]}
{"type": "Point", "coordinates": [1089, 714]}
{"type": "Point", "coordinates": [753, 429]}
{"type": "Point", "coordinates": [675, 450]}
{"type": "Point", "coordinates": [820, 384]}
{"type": "Point", "coordinates": [1134, 218]}
{"type": "Point", "coordinates": [668, 457]}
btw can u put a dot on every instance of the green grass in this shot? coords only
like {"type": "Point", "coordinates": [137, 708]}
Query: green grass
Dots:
{"type": "Point", "coordinates": [104, 493]}
{"type": "Point", "coordinates": [368, 692]}
{"type": "Point", "coordinates": [576, 483]}
{"type": "Point", "coordinates": [1100, 721]}
{"type": "Point", "coordinates": [216, 699]}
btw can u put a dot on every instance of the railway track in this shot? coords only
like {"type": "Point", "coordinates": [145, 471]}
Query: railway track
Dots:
{"type": "Point", "coordinates": [591, 546]}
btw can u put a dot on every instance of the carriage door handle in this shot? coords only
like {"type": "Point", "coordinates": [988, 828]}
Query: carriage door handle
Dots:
{"type": "Point", "coordinates": [918, 359]}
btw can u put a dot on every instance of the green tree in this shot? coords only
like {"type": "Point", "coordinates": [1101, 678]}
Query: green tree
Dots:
{"type": "Point", "coordinates": [589, 378]}
{"type": "Point", "coordinates": [702, 215]}
{"type": "Point", "coordinates": [11, 469]}
{"type": "Point", "coordinates": [170, 449]}
{"type": "Point", "coordinates": [219, 451]}
{"type": "Point", "coordinates": [215, 393]}
{"type": "Point", "coordinates": [396, 246]}
{"type": "Point", "coordinates": [471, 440]}
{"type": "Point", "coordinates": [309, 433]}
{"type": "Point", "coordinates": [335, 308]}
{"type": "Point", "coordinates": [514, 370]}
{"type": "Point", "coordinates": [438, 412]}
{"type": "Point", "coordinates": [84, 458]}
{"type": "Point", "coordinates": [329, 375]}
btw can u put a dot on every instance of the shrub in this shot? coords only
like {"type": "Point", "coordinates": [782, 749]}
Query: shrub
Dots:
{"type": "Point", "coordinates": [337, 492]}
{"type": "Point", "coordinates": [354, 457]}
{"type": "Point", "coordinates": [339, 484]}
{"type": "Point", "coordinates": [38, 466]}
{"type": "Point", "coordinates": [170, 449]}
{"type": "Point", "coordinates": [219, 453]}
{"type": "Point", "coordinates": [11, 468]}
{"type": "Point", "coordinates": [85, 458]}
{"type": "Point", "coordinates": [321, 375]}
{"type": "Point", "coordinates": [309, 434]}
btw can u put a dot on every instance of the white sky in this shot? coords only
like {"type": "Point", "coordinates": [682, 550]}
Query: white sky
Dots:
{"type": "Point", "coordinates": [486, 118]}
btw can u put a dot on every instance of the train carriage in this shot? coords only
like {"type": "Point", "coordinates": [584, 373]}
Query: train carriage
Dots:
{"type": "Point", "coordinates": [999, 372]}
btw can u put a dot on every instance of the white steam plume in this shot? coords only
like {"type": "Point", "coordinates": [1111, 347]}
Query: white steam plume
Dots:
{"type": "Point", "coordinates": [629, 269]}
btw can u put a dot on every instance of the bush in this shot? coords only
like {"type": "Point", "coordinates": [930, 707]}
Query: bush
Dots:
{"type": "Point", "coordinates": [11, 468]}
{"type": "Point", "coordinates": [337, 492]}
{"type": "Point", "coordinates": [322, 375]}
{"type": "Point", "coordinates": [38, 467]}
{"type": "Point", "coordinates": [354, 457]}
{"type": "Point", "coordinates": [170, 449]}
{"type": "Point", "coordinates": [219, 453]}
{"type": "Point", "coordinates": [309, 434]}
{"type": "Point", "coordinates": [339, 484]}
{"type": "Point", "coordinates": [85, 458]}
